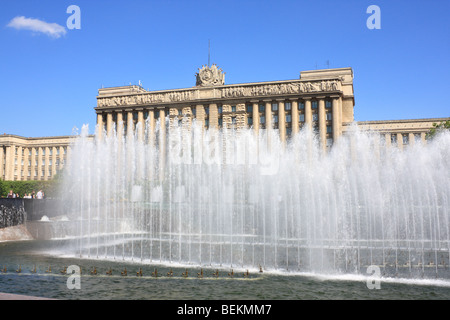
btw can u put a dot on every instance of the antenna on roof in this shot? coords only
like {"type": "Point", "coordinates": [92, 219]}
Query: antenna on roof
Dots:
{"type": "Point", "coordinates": [209, 53]}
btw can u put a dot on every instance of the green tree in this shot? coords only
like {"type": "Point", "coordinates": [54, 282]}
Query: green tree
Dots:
{"type": "Point", "coordinates": [438, 127]}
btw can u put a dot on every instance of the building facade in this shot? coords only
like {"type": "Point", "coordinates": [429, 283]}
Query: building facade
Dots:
{"type": "Point", "coordinates": [322, 100]}
{"type": "Point", "coordinates": [32, 158]}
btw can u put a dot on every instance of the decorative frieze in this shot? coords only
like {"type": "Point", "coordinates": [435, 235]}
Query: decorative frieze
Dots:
{"type": "Point", "coordinates": [238, 91]}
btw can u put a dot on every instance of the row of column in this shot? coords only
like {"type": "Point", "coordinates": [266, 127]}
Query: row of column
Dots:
{"type": "Point", "coordinates": [13, 164]}
{"type": "Point", "coordinates": [212, 116]}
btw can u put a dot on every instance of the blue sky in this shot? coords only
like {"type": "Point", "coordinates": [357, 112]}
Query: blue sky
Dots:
{"type": "Point", "coordinates": [49, 84]}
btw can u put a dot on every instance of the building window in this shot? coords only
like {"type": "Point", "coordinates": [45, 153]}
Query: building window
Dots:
{"type": "Point", "coordinates": [249, 121]}
{"type": "Point", "coordinates": [328, 104]}
{"type": "Point", "coordinates": [275, 118]}
{"type": "Point", "coordinates": [180, 113]}
{"type": "Point", "coordinates": [301, 105]}
{"type": "Point", "coordinates": [262, 108]}
{"type": "Point", "coordinates": [288, 132]}
{"type": "Point", "coordinates": [329, 130]}
{"type": "Point", "coordinates": [220, 122]}
{"type": "Point", "coordinates": [207, 122]}
{"type": "Point", "coordinates": [233, 108]}
{"type": "Point", "coordinates": [43, 151]}
{"type": "Point", "coordinates": [274, 106]}
{"type": "Point", "coordinates": [288, 106]}
{"type": "Point", "coordinates": [206, 110]}
{"type": "Point", "coordinates": [314, 105]}
{"type": "Point", "coordinates": [329, 116]}
{"type": "Point", "coordinates": [405, 138]}
{"type": "Point", "coordinates": [301, 117]}
{"type": "Point", "coordinates": [219, 109]}
{"type": "Point", "coordinates": [233, 120]}
{"type": "Point", "coordinates": [288, 118]}
{"type": "Point", "coordinates": [315, 117]}
{"type": "Point", "coordinates": [262, 120]}
{"type": "Point", "coordinates": [249, 108]}
{"type": "Point", "coordinates": [329, 142]}
{"type": "Point", "coordinates": [194, 111]}
{"type": "Point", "coordinates": [394, 138]}
{"type": "Point", "coordinates": [417, 137]}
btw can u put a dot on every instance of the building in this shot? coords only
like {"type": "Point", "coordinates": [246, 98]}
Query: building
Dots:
{"type": "Point", "coordinates": [32, 158]}
{"type": "Point", "coordinates": [320, 99]}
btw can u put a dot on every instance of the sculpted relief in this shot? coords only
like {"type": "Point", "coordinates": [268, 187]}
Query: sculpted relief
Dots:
{"type": "Point", "coordinates": [228, 92]}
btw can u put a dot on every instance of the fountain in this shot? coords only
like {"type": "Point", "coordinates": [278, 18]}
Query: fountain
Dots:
{"type": "Point", "coordinates": [231, 198]}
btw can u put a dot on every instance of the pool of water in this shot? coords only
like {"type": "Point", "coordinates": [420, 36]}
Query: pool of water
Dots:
{"type": "Point", "coordinates": [42, 274]}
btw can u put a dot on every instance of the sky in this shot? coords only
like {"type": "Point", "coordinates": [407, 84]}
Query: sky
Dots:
{"type": "Point", "coordinates": [50, 72]}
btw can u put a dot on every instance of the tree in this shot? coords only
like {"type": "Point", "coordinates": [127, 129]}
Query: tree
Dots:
{"type": "Point", "coordinates": [443, 126]}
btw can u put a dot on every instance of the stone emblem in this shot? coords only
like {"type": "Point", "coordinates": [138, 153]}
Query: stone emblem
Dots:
{"type": "Point", "coordinates": [210, 76]}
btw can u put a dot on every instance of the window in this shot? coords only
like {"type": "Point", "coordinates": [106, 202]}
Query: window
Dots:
{"type": "Point", "coordinates": [275, 118]}
{"type": "Point", "coordinates": [180, 113]}
{"type": "Point", "coordinates": [288, 118]}
{"type": "Point", "coordinates": [329, 142]}
{"type": "Point", "coordinates": [135, 116]}
{"type": "Point", "coordinates": [233, 108]}
{"type": "Point", "coordinates": [329, 130]}
{"type": "Point", "coordinates": [206, 110]}
{"type": "Point", "coordinates": [145, 115]}
{"type": "Point", "coordinates": [249, 108]}
{"type": "Point", "coordinates": [328, 104]}
{"type": "Point", "coordinates": [405, 138]}
{"type": "Point", "coordinates": [219, 109]}
{"type": "Point", "coordinates": [314, 105]}
{"type": "Point", "coordinates": [207, 122]}
{"type": "Point", "coordinates": [262, 108]}
{"type": "Point", "coordinates": [249, 121]}
{"type": "Point", "coordinates": [417, 137]}
{"type": "Point", "coordinates": [43, 151]}
{"type": "Point", "coordinates": [233, 120]}
{"type": "Point", "coordinates": [220, 122]}
{"type": "Point", "coordinates": [394, 138]}
{"type": "Point", "coordinates": [274, 106]}
{"type": "Point", "coordinates": [329, 116]}
{"type": "Point", "coordinates": [287, 106]}
{"type": "Point", "coordinates": [301, 117]}
{"type": "Point", "coordinates": [288, 132]}
{"type": "Point", "coordinates": [301, 105]}
{"type": "Point", "coordinates": [262, 120]}
{"type": "Point", "coordinates": [315, 116]}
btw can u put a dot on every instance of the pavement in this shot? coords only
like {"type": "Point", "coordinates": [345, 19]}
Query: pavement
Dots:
{"type": "Point", "coordinates": [10, 296]}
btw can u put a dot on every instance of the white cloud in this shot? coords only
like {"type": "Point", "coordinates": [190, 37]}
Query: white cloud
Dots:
{"type": "Point", "coordinates": [53, 30]}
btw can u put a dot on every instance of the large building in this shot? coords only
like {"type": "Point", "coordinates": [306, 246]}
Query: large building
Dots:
{"type": "Point", "coordinates": [322, 100]}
